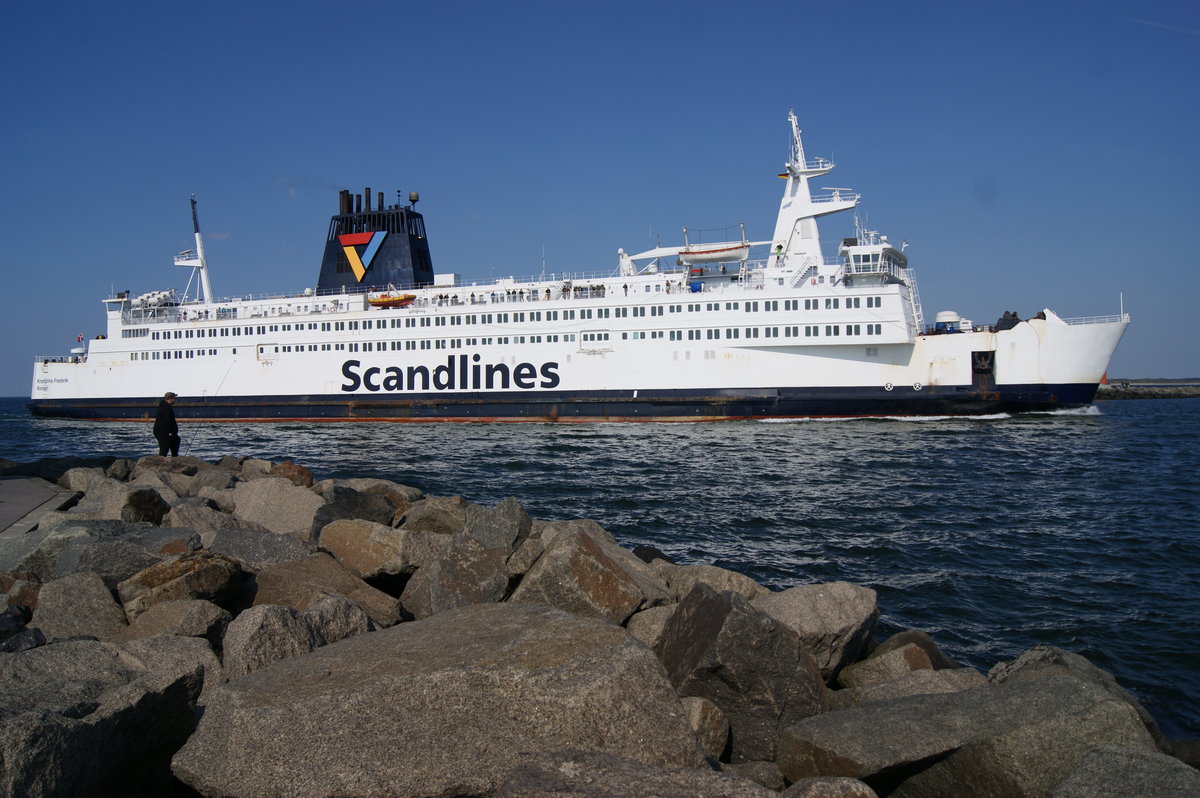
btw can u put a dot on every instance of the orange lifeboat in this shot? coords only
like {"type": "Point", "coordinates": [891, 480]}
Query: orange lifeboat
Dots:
{"type": "Point", "coordinates": [391, 300]}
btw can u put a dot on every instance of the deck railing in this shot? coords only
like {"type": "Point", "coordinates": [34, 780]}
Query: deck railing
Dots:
{"type": "Point", "coordinates": [1099, 319]}
{"type": "Point", "coordinates": [59, 359]}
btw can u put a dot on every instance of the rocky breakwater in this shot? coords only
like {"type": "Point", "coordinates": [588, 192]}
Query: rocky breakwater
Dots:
{"type": "Point", "coordinates": [1142, 390]}
{"type": "Point", "coordinates": [237, 629]}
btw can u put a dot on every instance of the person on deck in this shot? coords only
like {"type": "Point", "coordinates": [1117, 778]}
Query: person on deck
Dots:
{"type": "Point", "coordinates": [166, 429]}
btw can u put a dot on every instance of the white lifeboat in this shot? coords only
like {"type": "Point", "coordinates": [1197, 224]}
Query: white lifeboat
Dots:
{"type": "Point", "coordinates": [723, 252]}
{"type": "Point", "coordinates": [720, 253]}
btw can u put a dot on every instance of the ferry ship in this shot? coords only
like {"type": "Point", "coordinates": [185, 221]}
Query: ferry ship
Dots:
{"type": "Point", "coordinates": [705, 330]}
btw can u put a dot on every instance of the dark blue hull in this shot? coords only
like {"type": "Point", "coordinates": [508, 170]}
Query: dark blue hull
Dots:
{"type": "Point", "coordinates": [693, 405]}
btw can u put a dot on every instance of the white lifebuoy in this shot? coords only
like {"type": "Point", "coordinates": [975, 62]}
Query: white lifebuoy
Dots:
{"type": "Point", "coordinates": [917, 386]}
{"type": "Point", "coordinates": [887, 386]}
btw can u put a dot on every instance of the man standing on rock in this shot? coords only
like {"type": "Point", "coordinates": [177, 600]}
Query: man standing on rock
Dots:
{"type": "Point", "coordinates": [166, 429]}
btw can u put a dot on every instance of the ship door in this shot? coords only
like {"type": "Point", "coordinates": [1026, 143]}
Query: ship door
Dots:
{"type": "Point", "coordinates": [267, 353]}
{"type": "Point", "coordinates": [983, 371]}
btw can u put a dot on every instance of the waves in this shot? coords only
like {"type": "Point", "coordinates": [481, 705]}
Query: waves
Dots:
{"type": "Point", "coordinates": [993, 534]}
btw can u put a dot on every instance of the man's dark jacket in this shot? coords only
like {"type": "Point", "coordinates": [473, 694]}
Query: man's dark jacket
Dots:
{"type": "Point", "coordinates": [164, 421]}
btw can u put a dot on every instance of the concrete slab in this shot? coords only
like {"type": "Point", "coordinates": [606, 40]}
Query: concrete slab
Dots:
{"type": "Point", "coordinates": [24, 500]}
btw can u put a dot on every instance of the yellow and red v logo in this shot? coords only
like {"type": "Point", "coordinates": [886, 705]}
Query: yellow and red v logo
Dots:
{"type": "Point", "coordinates": [349, 241]}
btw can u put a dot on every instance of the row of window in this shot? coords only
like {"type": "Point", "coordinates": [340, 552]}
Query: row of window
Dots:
{"type": "Point", "coordinates": [830, 303]}
{"type": "Point", "coordinates": [225, 332]}
{"type": "Point", "coordinates": [850, 303]}
{"type": "Point", "coordinates": [809, 331]}
{"type": "Point", "coordinates": [712, 334]}
{"type": "Point", "coordinates": [870, 262]}
{"type": "Point", "coordinates": [767, 306]}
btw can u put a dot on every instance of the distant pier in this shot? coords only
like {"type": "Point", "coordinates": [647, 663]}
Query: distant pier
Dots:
{"type": "Point", "coordinates": [1149, 389]}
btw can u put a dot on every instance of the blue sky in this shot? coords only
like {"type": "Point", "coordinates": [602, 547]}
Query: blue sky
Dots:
{"type": "Point", "coordinates": [1033, 154]}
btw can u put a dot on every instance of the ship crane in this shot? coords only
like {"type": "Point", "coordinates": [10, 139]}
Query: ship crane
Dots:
{"type": "Point", "coordinates": [194, 259]}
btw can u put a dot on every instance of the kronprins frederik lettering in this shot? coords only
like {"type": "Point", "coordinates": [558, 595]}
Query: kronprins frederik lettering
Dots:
{"type": "Point", "coordinates": [459, 373]}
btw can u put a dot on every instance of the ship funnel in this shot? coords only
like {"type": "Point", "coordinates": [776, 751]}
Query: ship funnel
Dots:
{"type": "Point", "coordinates": [372, 245]}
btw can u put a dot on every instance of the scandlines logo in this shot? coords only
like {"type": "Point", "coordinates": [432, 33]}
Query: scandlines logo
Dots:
{"type": "Point", "coordinates": [459, 373]}
{"type": "Point", "coordinates": [350, 242]}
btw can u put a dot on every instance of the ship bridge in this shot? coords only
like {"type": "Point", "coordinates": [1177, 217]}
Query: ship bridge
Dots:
{"type": "Point", "coordinates": [873, 256]}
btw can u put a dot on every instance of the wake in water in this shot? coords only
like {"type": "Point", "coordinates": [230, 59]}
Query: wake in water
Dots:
{"type": "Point", "coordinates": [1090, 410]}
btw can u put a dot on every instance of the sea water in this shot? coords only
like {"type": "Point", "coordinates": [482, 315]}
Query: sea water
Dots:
{"type": "Point", "coordinates": [1076, 529]}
